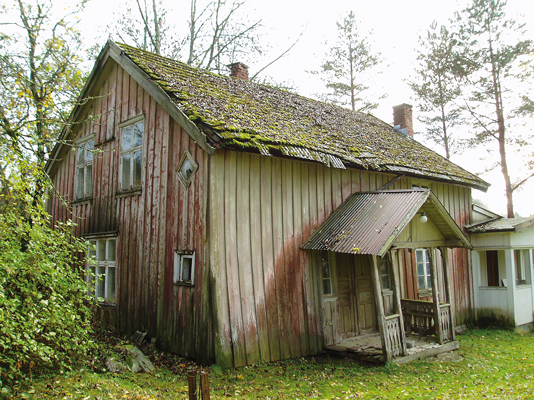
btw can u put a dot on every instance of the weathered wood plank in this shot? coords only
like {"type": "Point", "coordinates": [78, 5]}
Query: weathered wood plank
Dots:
{"type": "Point", "coordinates": [234, 295]}
{"type": "Point", "coordinates": [244, 259]}
{"type": "Point", "coordinates": [279, 261]}
{"type": "Point", "coordinates": [223, 330]}
{"type": "Point", "coordinates": [258, 272]}
{"type": "Point", "coordinates": [268, 257]}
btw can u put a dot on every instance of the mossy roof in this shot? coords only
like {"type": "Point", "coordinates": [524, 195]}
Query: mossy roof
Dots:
{"type": "Point", "coordinates": [238, 114]}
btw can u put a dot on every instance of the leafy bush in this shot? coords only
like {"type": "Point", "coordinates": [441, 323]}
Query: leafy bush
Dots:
{"type": "Point", "coordinates": [44, 316]}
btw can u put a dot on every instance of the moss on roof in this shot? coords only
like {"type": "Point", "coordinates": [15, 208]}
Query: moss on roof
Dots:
{"type": "Point", "coordinates": [235, 113]}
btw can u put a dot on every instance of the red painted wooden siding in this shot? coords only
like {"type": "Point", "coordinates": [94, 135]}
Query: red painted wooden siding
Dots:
{"type": "Point", "coordinates": [150, 225]}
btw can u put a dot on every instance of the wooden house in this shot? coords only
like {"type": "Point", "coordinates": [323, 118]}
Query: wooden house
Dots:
{"type": "Point", "coordinates": [502, 269]}
{"type": "Point", "coordinates": [210, 203]}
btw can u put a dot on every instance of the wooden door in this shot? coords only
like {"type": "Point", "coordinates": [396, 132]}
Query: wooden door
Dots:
{"type": "Point", "coordinates": [348, 309]}
{"type": "Point", "coordinates": [355, 295]}
{"type": "Point", "coordinates": [365, 295]}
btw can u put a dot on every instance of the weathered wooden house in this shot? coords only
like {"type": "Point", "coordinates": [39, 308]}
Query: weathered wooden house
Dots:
{"type": "Point", "coordinates": [211, 201]}
{"type": "Point", "coordinates": [503, 258]}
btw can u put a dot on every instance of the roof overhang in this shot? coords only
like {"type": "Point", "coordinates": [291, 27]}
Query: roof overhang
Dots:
{"type": "Point", "coordinates": [370, 222]}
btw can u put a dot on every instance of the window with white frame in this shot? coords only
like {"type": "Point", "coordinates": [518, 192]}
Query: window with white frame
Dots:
{"type": "Point", "coordinates": [84, 168]}
{"type": "Point", "coordinates": [184, 267]}
{"type": "Point", "coordinates": [102, 269]}
{"type": "Point", "coordinates": [131, 153]}
{"type": "Point", "coordinates": [522, 267]}
{"type": "Point", "coordinates": [424, 279]}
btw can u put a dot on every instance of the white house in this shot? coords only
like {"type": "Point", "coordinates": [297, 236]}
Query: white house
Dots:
{"type": "Point", "coordinates": [502, 269]}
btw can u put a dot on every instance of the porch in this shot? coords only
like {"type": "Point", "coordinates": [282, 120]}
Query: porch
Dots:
{"type": "Point", "coordinates": [368, 348]}
{"type": "Point", "coordinates": [417, 338]}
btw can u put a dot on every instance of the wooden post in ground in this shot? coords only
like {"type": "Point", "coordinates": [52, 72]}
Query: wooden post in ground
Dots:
{"type": "Point", "coordinates": [192, 382]}
{"type": "Point", "coordinates": [204, 386]}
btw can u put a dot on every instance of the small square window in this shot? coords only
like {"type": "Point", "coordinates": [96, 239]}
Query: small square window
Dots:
{"type": "Point", "coordinates": [184, 267]}
{"type": "Point", "coordinates": [186, 169]}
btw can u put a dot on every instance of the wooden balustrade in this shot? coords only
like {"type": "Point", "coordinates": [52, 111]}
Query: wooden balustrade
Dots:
{"type": "Point", "coordinates": [393, 335]}
{"type": "Point", "coordinates": [419, 318]}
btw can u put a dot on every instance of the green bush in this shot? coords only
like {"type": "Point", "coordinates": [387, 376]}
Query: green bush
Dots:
{"type": "Point", "coordinates": [44, 317]}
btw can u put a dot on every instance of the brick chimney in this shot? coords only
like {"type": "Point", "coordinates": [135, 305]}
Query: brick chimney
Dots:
{"type": "Point", "coordinates": [402, 115]}
{"type": "Point", "coordinates": [239, 70]}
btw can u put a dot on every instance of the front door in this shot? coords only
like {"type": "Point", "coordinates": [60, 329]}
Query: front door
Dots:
{"type": "Point", "coordinates": [355, 295]}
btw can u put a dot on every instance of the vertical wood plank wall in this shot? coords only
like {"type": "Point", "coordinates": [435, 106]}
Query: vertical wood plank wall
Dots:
{"type": "Point", "coordinates": [262, 209]}
{"type": "Point", "coordinates": [164, 217]}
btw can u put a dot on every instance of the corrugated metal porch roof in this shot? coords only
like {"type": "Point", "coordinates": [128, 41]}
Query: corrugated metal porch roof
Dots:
{"type": "Point", "coordinates": [369, 222]}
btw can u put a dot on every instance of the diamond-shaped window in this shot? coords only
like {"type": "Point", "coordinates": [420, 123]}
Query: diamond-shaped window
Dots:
{"type": "Point", "coordinates": [186, 169]}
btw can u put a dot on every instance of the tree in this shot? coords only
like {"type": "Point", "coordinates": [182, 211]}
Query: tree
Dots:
{"type": "Point", "coordinates": [218, 35]}
{"type": "Point", "coordinates": [491, 49]}
{"type": "Point", "coordinates": [437, 88]}
{"type": "Point", "coordinates": [345, 67]}
{"type": "Point", "coordinates": [145, 26]}
{"type": "Point", "coordinates": [39, 81]}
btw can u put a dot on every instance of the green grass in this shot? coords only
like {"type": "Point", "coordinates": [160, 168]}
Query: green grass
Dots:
{"type": "Point", "coordinates": [497, 364]}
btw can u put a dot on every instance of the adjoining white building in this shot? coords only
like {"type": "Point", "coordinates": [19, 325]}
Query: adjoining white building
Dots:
{"type": "Point", "coordinates": [502, 269]}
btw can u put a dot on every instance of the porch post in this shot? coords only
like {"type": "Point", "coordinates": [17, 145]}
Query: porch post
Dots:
{"type": "Point", "coordinates": [445, 257]}
{"type": "Point", "coordinates": [380, 308]}
{"type": "Point", "coordinates": [397, 294]}
{"type": "Point", "coordinates": [435, 294]}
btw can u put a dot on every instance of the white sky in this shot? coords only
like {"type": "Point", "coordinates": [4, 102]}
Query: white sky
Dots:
{"type": "Point", "coordinates": [393, 27]}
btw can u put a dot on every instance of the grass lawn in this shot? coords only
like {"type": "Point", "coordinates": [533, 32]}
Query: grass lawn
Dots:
{"type": "Point", "coordinates": [496, 364]}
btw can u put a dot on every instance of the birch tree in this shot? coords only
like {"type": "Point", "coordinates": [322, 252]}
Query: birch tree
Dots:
{"type": "Point", "coordinates": [39, 80]}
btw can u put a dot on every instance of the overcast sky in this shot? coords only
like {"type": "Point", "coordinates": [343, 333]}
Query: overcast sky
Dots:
{"type": "Point", "coordinates": [392, 26]}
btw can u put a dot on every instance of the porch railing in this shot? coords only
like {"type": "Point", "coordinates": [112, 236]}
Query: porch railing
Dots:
{"type": "Point", "coordinates": [393, 334]}
{"type": "Point", "coordinates": [419, 318]}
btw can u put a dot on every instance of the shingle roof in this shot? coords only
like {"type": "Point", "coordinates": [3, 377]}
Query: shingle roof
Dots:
{"type": "Point", "coordinates": [239, 114]}
{"type": "Point", "coordinates": [502, 225]}
{"type": "Point", "coordinates": [369, 222]}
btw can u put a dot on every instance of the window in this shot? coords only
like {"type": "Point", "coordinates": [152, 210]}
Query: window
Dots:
{"type": "Point", "coordinates": [184, 267]}
{"type": "Point", "coordinates": [84, 169]}
{"type": "Point", "coordinates": [131, 153]}
{"type": "Point", "coordinates": [102, 269]}
{"type": "Point", "coordinates": [522, 267]}
{"type": "Point", "coordinates": [492, 265]}
{"type": "Point", "coordinates": [424, 279]}
{"type": "Point", "coordinates": [186, 169]}
{"type": "Point", "coordinates": [385, 272]}
{"type": "Point", "coordinates": [328, 289]}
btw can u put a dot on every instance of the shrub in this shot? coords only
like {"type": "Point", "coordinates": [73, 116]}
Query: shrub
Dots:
{"type": "Point", "coordinates": [44, 317]}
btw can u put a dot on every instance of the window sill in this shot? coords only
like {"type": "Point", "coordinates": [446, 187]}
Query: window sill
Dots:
{"type": "Point", "coordinates": [129, 192]}
{"type": "Point", "coordinates": [81, 202]}
{"type": "Point", "coordinates": [184, 284]}
{"type": "Point", "coordinates": [424, 293]}
{"type": "Point", "coordinates": [106, 304]}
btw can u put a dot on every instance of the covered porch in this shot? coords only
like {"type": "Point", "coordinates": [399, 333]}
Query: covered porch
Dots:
{"type": "Point", "coordinates": [367, 249]}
